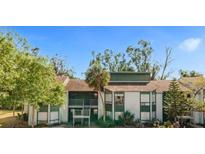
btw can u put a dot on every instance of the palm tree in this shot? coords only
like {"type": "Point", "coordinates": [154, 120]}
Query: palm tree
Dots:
{"type": "Point", "coordinates": [97, 78]}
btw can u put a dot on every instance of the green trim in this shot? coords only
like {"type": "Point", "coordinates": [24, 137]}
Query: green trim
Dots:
{"type": "Point", "coordinates": [54, 108]}
{"type": "Point", "coordinates": [128, 72]}
{"type": "Point", "coordinates": [43, 108]}
{"type": "Point", "coordinates": [129, 77]}
{"type": "Point", "coordinates": [108, 107]}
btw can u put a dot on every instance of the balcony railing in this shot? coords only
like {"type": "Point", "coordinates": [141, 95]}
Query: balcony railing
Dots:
{"type": "Point", "coordinates": [83, 102]}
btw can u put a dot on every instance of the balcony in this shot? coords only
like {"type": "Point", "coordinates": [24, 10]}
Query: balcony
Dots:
{"type": "Point", "coordinates": [79, 103]}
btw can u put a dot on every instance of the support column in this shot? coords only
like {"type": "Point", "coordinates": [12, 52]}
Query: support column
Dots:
{"type": "Point", "coordinates": [150, 98]}
{"type": "Point", "coordinates": [49, 114]}
{"type": "Point", "coordinates": [113, 105]}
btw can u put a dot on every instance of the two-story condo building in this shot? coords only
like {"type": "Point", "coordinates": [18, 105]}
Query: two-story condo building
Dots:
{"type": "Point", "coordinates": [133, 92]}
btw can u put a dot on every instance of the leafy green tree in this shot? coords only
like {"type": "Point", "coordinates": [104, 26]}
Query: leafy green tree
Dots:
{"type": "Point", "coordinates": [135, 59]}
{"type": "Point", "coordinates": [97, 77]}
{"type": "Point", "coordinates": [185, 73]}
{"type": "Point", "coordinates": [26, 77]}
{"type": "Point", "coordinates": [195, 84]}
{"type": "Point", "coordinates": [42, 87]}
{"type": "Point", "coordinates": [141, 56]}
{"type": "Point", "coordinates": [113, 62]}
{"type": "Point", "coordinates": [7, 65]}
{"type": "Point", "coordinates": [11, 48]}
{"type": "Point", "coordinates": [60, 66]}
{"type": "Point", "coordinates": [176, 103]}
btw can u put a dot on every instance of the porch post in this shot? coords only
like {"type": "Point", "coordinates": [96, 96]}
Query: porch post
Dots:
{"type": "Point", "coordinates": [113, 105]}
{"type": "Point", "coordinates": [150, 98]}
{"type": "Point", "coordinates": [49, 114]}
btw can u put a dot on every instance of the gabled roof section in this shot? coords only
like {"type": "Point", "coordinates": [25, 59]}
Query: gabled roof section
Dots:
{"type": "Point", "coordinates": [163, 85]}
{"type": "Point", "coordinates": [78, 85]}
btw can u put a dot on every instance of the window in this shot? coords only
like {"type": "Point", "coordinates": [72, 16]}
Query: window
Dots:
{"type": "Point", "coordinates": [108, 101]}
{"type": "Point", "coordinates": [119, 98]}
{"type": "Point", "coordinates": [119, 102]}
{"type": "Point", "coordinates": [145, 106]}
{"type": "Point", "coordinates": [83, 99]}
{"type": "Point", "coordinates": [108, 97]}
{"type": "Point", "coordinates": [43, 108]}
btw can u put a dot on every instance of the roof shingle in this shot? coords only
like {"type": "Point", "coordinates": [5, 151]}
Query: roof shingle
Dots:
{"type": "Point", "coordinates": [158, 85]}
{"type": "Point", "coordinates": [63, 79]}
{"type": "Point", "coordinates": [78, 85]}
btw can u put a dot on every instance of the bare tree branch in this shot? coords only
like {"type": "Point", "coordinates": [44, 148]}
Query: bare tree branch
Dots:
{"type": "Point", "coordinates": [167, 62]}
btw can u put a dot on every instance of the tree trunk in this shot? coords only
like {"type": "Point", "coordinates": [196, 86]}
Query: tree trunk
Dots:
{"type": "Point", "coordinates": [22, 109]}
{"type": "Point", "coordinates": [33, 116]}
{"type": "Point", "coordinates": [103, 103]}
{"type": "Point", "coordinates": [14, 108]}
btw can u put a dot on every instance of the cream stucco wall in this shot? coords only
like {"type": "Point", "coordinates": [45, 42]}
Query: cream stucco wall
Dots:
{"type": "Point", "coordinates": [159, 106]}
{"type": "Point", "coordinates": [132, 103]}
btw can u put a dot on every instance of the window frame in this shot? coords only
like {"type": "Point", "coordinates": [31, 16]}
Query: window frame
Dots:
{"type": "Point", "coordinates": [119, 107]}
{"type": "Point", "coordinates": [141, 93]}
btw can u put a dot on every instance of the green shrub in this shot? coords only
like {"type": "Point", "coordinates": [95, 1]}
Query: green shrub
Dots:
{"type": "Point", "coordinates": [19, 116]}
{"type": "Point", "coordinates": [25, 117]}
{"type": "Point", "coordinates": [108, 123]}
{"type": "Point", "coordinates": [156, 123]}
{"type": "Point", "coordinates": [139, 124]}
{"type": "Point", "coordinates": [126, 118]}
{"type": "Point", "coordinates": [119, 122]}
{"type": "Point", "coordinates": [168, 124]}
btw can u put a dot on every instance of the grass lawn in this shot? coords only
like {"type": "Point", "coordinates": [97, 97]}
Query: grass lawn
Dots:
{"type": "Point", "coordinates": [8, 121]}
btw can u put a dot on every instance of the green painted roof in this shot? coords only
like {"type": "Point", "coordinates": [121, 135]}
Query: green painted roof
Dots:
{"type": "Point", "coordinates": [129, 77]}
